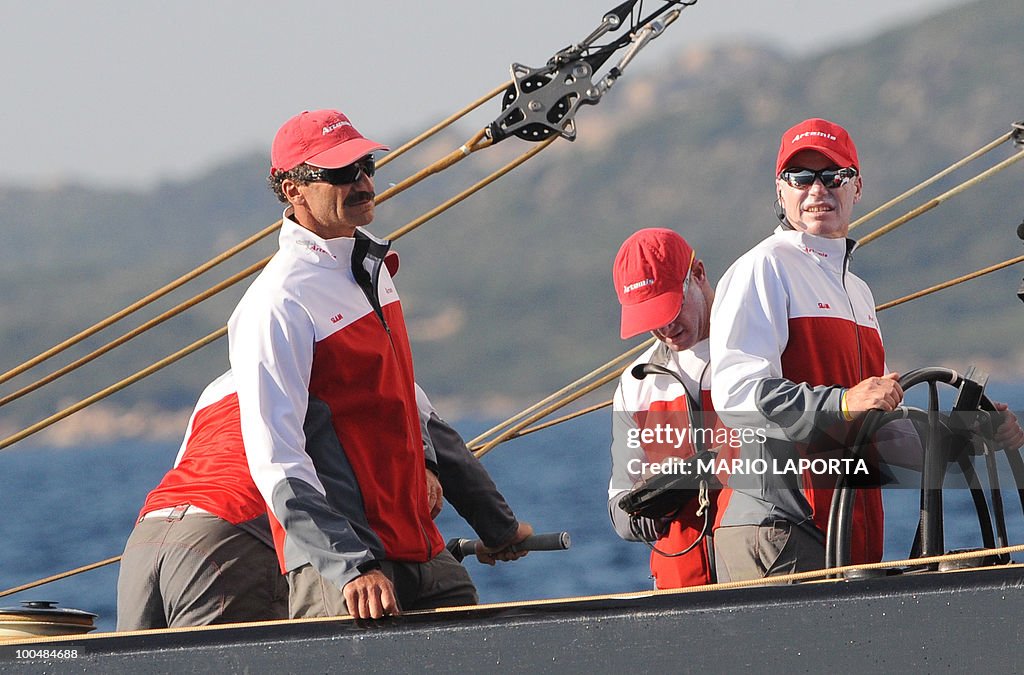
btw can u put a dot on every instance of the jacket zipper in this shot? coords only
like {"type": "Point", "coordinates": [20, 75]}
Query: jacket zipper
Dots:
{"type": "Point", "coordinates": [853, 312]}
{"type": "Point", "coordinates": [369, 282]}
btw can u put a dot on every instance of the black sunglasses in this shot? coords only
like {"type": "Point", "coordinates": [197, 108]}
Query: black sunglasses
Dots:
{"type": "Point", "coordinates": [345, 175]}
{"type": "Point", "coordinates": [830, 178]}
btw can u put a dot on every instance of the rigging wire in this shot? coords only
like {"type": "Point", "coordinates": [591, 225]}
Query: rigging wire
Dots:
{"type": "Point", "coordinates": [923, 184]}
{"type": "Point", "coordinates": [152, 323]}
{"type": "Point", "coordinates": [112, 389]}
{"type": "Point", "coordinates": [948, 284]}
{"type": "Point", "coordinates": [565, 418]}
{"type": "Point", "coordinates": [479, 141]}
{"type": "Point", "coordinates": [946, 196]}
{"type": "Point", "coordinates": [572, 386]}
{"type": "Point", "coordinates": [139, 304]}
{"type": "Point", "coordinates": [479, 185]}
{"type": "Point", "coordinates": [62, 575]}
{"type": "Point", "coordinates": [483, 449]}
{"type": "Point", "coordinates": [225, 255]}
{"type": "Point", "coordinates": [443, 124]}
{"type": "Point", "coordinates": [215, 335]}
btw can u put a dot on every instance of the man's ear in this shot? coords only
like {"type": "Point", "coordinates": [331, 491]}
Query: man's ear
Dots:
{"type": "Point", "coordinates": [290, 189]}
{"type": "Point", "coordinates": [698, 271]}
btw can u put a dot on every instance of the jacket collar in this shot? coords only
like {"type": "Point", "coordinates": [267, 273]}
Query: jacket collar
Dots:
{"type": "Point", "coordinates": [303, 244]}
{"type": "Point", "coordinates": [831, 254]}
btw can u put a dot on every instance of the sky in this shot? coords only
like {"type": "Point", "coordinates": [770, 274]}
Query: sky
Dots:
{"type": "Point", "coordinates": [127, 94]}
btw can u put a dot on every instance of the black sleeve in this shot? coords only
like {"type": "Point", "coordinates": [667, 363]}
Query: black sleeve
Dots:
{"type": "Point", "coordinates": [468, 487]}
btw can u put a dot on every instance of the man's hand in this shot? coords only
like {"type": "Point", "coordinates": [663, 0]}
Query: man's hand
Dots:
{"type": "Point", "coordinates": [435, 495]}
{"type": "Point", "coordinates": [489, 555]}
{"type": "Point", "coordinates": [875, 393]}
{"type": "Point", "coordinates": [1009, 435]}
{"type": "Point", "coordinates": [371, 596]}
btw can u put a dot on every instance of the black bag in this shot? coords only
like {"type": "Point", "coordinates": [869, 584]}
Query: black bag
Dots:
{"type": "Point", "coordinates": [663, 495]}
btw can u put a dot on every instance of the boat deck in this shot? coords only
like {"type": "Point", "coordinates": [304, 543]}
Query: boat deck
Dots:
{"type": "Point", "coordinates": [962, 620]}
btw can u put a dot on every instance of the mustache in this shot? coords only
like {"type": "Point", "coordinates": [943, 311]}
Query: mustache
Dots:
{"type": "Point", "coordinates": [359, 197]}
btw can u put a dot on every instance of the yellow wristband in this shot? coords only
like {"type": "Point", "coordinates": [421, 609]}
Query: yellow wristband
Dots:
{"type": "Point", "coordinates": [842, 406]}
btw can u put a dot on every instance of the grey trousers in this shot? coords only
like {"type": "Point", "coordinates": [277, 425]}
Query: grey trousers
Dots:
{"type": "Point", "coordinates": [197, 570]}
{"type": "Point", "coordinates": [774, 548]}
{"type": "Point", "coordinates": [441, 582]}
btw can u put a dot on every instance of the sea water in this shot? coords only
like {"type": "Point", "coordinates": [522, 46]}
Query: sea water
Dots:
{"type": "Point", "coordinates": [65, 508]}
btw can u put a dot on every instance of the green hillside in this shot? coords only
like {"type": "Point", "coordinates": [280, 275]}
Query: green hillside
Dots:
{"type": "Point", "coordinates": [509, 294]}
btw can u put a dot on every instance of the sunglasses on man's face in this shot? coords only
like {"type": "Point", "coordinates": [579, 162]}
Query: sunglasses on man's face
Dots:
{"type": "Point", "coordinates": [830, 178]}
{"type": "Point", "coordinates": [345, 175]}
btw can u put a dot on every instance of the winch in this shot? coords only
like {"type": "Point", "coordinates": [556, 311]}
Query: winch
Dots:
{"type": "Point", "coordinates": [41, 618]}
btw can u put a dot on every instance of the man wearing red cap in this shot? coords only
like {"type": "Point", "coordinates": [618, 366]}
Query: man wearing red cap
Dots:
{"type": "Point", "coordinates": [327, 401]}
{"type": "Point", "coordinates": [796, 351]}
{"type": "Point", "coordinates": [663, 289]}
{"type": "Point", "coordinates": [796, 348]}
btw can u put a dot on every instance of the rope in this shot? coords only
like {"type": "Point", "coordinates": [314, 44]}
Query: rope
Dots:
{"type": "Point", "coordinates": [155, 295]}
{"type": "Point", "coordinates": [202, 342]}
{"type": "Point", "coordinates": [441, 208]}
{"type": "Point", "coordinates": [152, 323]}
{"type": "Point", "coordinates": [487, 447]}
{"type": "Point", "coordinates": [113, 389]}
{"type": "Point", "coordinates": [567, 388]}
{"type": "Point", "coordinates": [928, 206]}
{"type": "Point", "coordinates": [443, 124]}
{"type": "Point", "coordinates": [229, 253]}
{"type": "Point", "coordinates": [479, 141]}
{"type": "Point", "coordinates": [564, 418]}
{"type": "Point", "coordinates": [62, 575]}
{"type": "Point", "coordinates": [252, 269]}
{"type": "Point", "coordinates": [945, 172]}
{"type": "Point", "coordinates": [950, 283]}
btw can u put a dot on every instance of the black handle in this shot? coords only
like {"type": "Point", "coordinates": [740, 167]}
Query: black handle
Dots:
{"type": "Point", "coordinates": [547, 541]}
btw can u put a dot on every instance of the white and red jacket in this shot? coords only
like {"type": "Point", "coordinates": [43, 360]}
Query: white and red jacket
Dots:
{"type": "Point", "coordinates": [661, 401]}
{"type": "Point", "coordinates": [321, 359]}
{"type": "Point", "coordinates": [791, 327]}
{"type": "Point", "coordinates": [211, 470]}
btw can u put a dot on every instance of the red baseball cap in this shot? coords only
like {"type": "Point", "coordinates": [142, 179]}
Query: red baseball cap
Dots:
{"type": "Point", "coordinates": [825, 137]}
{"type": "Point", "coordinates": [321, 138]}
{"type": "Point", "coordinates": [649, 271]}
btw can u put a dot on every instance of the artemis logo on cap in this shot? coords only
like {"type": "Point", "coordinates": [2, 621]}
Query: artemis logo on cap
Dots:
{"type": "Point", "coordinates": [337, 125]}
{"type": "Point", "coordinates": [640, 284]}
{"type": "Point", "coordinates": [813, 133]}
{"type": "Point", "coordinates": [819, 135]}
{"type": "Point", "coordinates": [320, 138]}
{"type": "Point", "coordinates": [650, 273]}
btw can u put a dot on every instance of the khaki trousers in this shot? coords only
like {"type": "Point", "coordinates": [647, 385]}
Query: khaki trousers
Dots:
{"type": "Point", "coordinates": [196, 570]}
{"type": "Point", "coordinates": [774, 548]}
